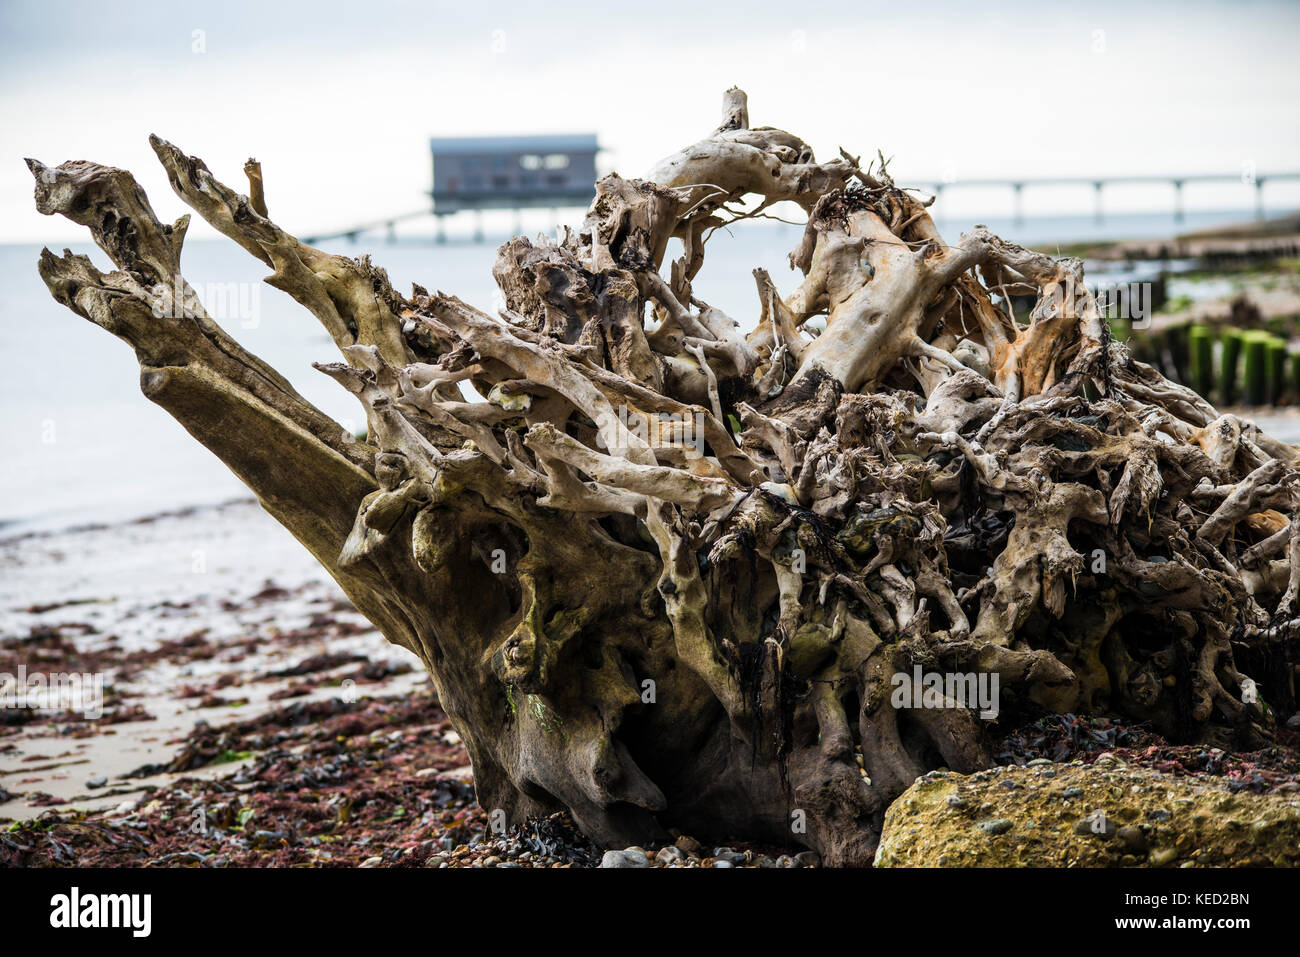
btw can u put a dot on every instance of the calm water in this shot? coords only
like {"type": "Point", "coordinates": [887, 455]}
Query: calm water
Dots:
{"type": "Point", "coordinates": [83, 445]}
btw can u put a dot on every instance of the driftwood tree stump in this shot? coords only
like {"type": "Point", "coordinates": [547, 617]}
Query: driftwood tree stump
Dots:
{"type": "Point", "coordinates": [671, 574]}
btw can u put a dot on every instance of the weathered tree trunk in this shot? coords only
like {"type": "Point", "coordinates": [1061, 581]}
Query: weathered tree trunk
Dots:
{"type": "Point", "coordinates": [635, 610]}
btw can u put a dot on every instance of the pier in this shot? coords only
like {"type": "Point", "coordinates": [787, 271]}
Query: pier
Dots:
{"type": "Point", "coordinates": [1098, 184]}
{"type": "Point", "coordinates": [559, 171]}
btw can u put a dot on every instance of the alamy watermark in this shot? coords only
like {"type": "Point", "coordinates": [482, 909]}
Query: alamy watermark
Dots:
{"type": "Point", "coordinates": [75, 909]}
{"type": "Point", "coordinates": [221, 301]}
{"type": "Point", "coordinates": [933, 689]}
{"type": "Point", "coordinates": [1130, 301]}
{"type": "Point", "coordinates": [664, 428]}
{"type": "Point", "coordinates": [59, 691]}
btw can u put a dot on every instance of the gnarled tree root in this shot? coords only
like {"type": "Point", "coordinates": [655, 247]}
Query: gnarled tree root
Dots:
{"type": "Point", "coordinates": [670, 573]}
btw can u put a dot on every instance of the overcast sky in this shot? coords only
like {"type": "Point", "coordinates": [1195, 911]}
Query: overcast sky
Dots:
{"type": "Point", "coordinates": [337, 99]}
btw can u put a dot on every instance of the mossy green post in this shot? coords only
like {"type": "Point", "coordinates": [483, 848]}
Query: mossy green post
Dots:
{"type": "Point", "coordinates": [1201, 355]}
{"type": "Point", "coordinates": [1177, 339]}
{"type": "Point", "coordinates": [1276, 369]}
{"type": "Point", "coordinates": [1229, 360]}
{"type": "Point", "coordinates": [1254, 348]}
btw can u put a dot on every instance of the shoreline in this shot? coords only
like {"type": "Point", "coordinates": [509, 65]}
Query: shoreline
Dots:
{"type": "Point", "coordinates": [199, 615]}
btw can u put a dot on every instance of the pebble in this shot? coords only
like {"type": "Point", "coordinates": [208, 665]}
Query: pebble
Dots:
{"type": "Point", "coordinates": [957, 802]}
{"type": "Point", "coordinates": [1162, 856]}
{"type": "Point", "coordinates": [1132, 838]}
{"type": "Point", "coordinates": [372, 862]}
{"type": "Point", "coordinates": [666, 855]}
{"type": "Point", "coordinates": [687, 845]}
{"type": "Point", "coordinates": [809, 858]}
{"type": "Point", "coordinates": [722, 864]}
{"type": "Point", "coordinates": [97, 782]}
{"type": "Point", "coordinates": [624, 859]}
{"type": "Point", "coordinates": [1074, 791]}
{"type": "Point", "coordinates": [997, 825]}
{"type": "Point", "coordinates": [785, 860]}
{"type": "Point", "coordinates": [1037, 762]}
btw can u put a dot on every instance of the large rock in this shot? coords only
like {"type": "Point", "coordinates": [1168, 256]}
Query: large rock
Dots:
{"type": "Point", "coordinates": [1077, 815]}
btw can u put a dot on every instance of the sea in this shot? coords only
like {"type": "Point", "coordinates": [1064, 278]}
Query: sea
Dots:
{"type": "Point", "coordinates": [82, 445]}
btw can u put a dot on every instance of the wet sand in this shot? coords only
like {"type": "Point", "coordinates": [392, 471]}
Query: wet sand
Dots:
{"type": "Point", "coordinates": [207, 615]}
